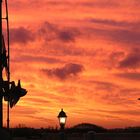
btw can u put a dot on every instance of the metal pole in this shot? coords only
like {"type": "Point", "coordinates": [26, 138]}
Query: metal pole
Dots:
{"type": "Point", "coordinates": [1, 79]}
{"type": "Point", "coordinates": [8, 43]}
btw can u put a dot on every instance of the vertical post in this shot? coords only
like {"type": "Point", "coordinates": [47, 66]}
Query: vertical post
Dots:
{"type": "Point", "coordinates": [1, 80]}
{"type": "Point", "coordinates": [8, 115]}
{"type": "Point", "coordinates": [8, 43]}
{"type": "Point", "coordinates": [62, 136]}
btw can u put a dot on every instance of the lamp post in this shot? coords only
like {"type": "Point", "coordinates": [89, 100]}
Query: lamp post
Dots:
{"type": "Point", "coordinates": [62, 119]}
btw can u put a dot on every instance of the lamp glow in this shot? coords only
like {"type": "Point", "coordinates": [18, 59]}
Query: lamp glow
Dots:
{"type": "Point", "coordinates": [62, 120]}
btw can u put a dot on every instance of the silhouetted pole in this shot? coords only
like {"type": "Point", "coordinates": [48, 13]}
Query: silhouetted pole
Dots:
{"type": "Point", "coordinates": [8, 44]}
{"type": "Point", "coordinates": [1, 80]}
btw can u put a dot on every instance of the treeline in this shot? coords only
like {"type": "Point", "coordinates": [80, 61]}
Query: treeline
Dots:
{"type": "Point", "coordinates": [23, 131]}
{"type": "Point", "coordinates": [126, 130]}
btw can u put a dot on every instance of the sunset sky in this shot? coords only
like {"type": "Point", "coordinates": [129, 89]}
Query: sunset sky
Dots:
{"type": "Point", "coordinates": [79, 55]}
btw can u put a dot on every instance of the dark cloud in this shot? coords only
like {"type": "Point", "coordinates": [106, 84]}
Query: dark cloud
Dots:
{"type": "Point", "coordinates": [126, 36]}
{"type": "Point", "coordinates": [21, 35]}
{"type": "Point", "coordinates": [131, 76]}
{"type": "Point", "coordinates": [47, 27]}
{"type": "Point", "coordinates": [113, 30]}
{"type": "Point", "coordinates": [114, 58]}
{"type": "Point", "coordinates": [116, 35]}
{"type": "Point", "coordinates": [69, 70]}
{"type": "Point", "coordinates": [131, 61]}
{"type": "Point", "coordinates": [47, 31]}
{"type": "Point", "coordinates": [66, 36]}
{"type": "Point", "coordinates": [52, 32]}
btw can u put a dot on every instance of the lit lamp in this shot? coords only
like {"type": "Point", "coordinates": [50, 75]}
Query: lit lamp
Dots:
{"type": "Point", "coordinates": [62, 119]}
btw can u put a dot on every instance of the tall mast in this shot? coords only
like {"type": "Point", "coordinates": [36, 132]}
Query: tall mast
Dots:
{"type": "Point", "coordinates": [8, 93]}
{"type": "Point", "coordinates": [8, 62]}
{"type": "Point", "coordinates": [1, 79]}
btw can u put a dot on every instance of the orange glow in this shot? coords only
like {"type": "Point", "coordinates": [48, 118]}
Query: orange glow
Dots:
{"type": "Point", "coordinates": [80, 55]}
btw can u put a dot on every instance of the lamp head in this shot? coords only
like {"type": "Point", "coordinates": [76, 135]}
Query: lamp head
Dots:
{"type": "Point", "coordinates": [62, 118]}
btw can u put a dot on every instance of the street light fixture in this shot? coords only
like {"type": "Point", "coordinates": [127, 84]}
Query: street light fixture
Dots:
{"type": "Point", "coordinates": [62, 119]}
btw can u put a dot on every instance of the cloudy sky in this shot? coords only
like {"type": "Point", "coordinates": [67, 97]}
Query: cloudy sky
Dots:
{"type": "Point", "coordinates": [79, 55]}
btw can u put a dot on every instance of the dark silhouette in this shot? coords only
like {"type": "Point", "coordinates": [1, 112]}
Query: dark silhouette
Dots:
{"type": "Point", "coordinates": [14, 93]}
{"type": "Point", "coordinates": [85, 127]}
{"type": "Point", "coordinates": [8, 90]}
{"type": "Point", "coordinates": [79, 130]}
{"type": "Point", "coordinates": [62, 119]}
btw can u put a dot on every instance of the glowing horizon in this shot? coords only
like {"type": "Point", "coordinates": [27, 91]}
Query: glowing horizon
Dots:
{"type": "Point", "coordinates": [82, 56]}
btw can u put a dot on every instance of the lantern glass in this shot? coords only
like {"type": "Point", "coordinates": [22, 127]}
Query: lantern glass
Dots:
{"type": "Point", "coordinates": [62, 120]}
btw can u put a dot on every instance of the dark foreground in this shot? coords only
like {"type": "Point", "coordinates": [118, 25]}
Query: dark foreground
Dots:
{"type": "Point", "coordinates": [73, 136]}
{"type": "Point", "coordinates": [88, 136]}
{"type": "Point", "coordinates": [76, 133]}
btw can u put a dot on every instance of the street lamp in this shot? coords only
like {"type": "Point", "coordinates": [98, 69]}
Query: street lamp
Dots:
{"type": "Point", "coordinates": [62, 119]}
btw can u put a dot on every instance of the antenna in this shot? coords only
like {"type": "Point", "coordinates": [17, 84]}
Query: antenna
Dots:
{"type": "Point", "coordinates": [4, 63]}
{"type": "Point", "coordinates": [8, 61]}
{"type": "Point", "coordinates": [8, 90]}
